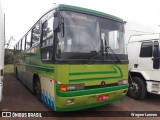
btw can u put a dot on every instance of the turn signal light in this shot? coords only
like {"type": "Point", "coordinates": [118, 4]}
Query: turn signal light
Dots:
{"type": "Point", "coordinates": [63, 87]}
{"type": "Point", "coordinates": [71, 87]}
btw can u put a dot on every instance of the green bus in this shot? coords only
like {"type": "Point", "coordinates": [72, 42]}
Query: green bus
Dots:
{"type": "Point", "coordinates": [74, 58]}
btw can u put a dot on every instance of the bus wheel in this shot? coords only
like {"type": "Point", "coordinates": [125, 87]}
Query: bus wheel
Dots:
{"type": "Point", "coordinates": [16, 73]}
{"type": "Point", "coordinates": [37, 89]}
{"type": "Point", "coordinates": [137, 88]}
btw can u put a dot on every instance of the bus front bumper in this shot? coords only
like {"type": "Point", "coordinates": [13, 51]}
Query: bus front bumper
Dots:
{"type": "Point", "coordinates": [83, 99]}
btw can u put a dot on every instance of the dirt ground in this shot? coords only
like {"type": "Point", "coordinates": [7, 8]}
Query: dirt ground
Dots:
{"type": "Point", "coordinates": [16, 97]}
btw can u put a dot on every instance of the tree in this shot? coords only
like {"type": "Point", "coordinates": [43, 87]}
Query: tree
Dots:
{"type": "Point", "coordinates": [8, 59]}
{"type": "Point", "coordinates": [11, 39]}
{"type": "Point", "coordinates": [8, 56]}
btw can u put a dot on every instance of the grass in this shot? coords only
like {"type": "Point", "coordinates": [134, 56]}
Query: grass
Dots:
{"type": "Point", "coordinates": [8, 69]}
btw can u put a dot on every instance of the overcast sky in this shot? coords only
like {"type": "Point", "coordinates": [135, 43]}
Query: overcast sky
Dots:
{"type": "Point", "coordinates": [22, 14]}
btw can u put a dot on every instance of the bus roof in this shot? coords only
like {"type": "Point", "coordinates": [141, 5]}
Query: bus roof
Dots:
{"type": "Point", "coordinates": [88, 11]}
{"type": "Point", "coordinates": [79, 9]}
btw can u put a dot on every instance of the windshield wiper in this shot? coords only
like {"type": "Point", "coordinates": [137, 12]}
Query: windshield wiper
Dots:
{"type": "Point", "coordinates": [115, 55]}
{"type": "Point", "coordinates": [97, 53]}
{"type": "Point", "coordinates": [112, 51]}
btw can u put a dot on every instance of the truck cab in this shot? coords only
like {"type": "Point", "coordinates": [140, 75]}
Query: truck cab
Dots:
{"type": "Point", "coordinates": [143, 54]}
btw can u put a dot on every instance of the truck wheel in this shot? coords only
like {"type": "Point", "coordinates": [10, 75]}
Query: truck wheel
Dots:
{"type": "Point", "coordinates": [137, 88]}
{"type": "Point", "coordinates": [37, 89]}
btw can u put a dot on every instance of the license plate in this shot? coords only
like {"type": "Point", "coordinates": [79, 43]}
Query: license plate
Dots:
{"type": "Point", "coordinates": [103, 97]}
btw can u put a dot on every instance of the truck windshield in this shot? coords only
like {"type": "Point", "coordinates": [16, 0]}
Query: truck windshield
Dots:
{"type": "Point", "coordinates": [86, 35]}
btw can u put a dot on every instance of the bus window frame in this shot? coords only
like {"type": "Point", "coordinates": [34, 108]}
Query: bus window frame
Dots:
{"type": "Point", "coordinates": [38, 42]}
{"type": "Point", "coordinates": [45, 18]}
{"type": "Point", "coordinates": [26, 37]}
{"type": "Point", "coordinates": [20, 45]}
{"type": "Point", "coordinates": [23, 44]}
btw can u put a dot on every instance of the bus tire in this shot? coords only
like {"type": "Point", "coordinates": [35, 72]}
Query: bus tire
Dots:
{"type": "Point", "coordinates": [137, 88]}
{"type": "Point", "coordinates": [37, 89]}
{"type": "Point", "coordinates": [17, 73]}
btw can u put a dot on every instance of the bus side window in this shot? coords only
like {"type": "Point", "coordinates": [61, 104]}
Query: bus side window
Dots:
{"type": "Point", "coordinates": [16, 49]}
{"type": "Point", "coordinates": [28, 40]}
{"type": "Point", "coordinates": [20, 46]}
{"type": "Point", "coordinates": [23, 44]}
{"type": "Point", "coordinates": [47, 40]}
{"type": "Point", "coordinates": [36, 34]}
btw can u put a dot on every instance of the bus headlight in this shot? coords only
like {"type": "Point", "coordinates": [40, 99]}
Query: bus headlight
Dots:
{"type": "Point", "coordinates": [122, 82]}
{"type": "Point", "coordinates": [71, 87]}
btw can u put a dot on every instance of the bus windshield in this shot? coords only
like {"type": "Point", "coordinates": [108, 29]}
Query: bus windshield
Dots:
{"type": "Point", "coordinates": [86, 36]}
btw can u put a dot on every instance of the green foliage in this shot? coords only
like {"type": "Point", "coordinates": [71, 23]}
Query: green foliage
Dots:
{"type": "Point", "coordinates": [8, 56]}
{"type": "Point", "coordinates": [8, 69]}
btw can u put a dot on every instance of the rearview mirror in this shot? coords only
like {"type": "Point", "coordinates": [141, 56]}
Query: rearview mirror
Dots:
{"type": "Point", "coordinates": [62, 27]}
{"type": "Point", "coordinates": [56, 24]}
{"type": "Point", "coordinates": [156, 55]}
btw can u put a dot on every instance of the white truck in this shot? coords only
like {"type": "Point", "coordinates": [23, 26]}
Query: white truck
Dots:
{"type": "Point", "coordinates": [2, 40]}
{"type": "Point", "coordinates": [144, 62]}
